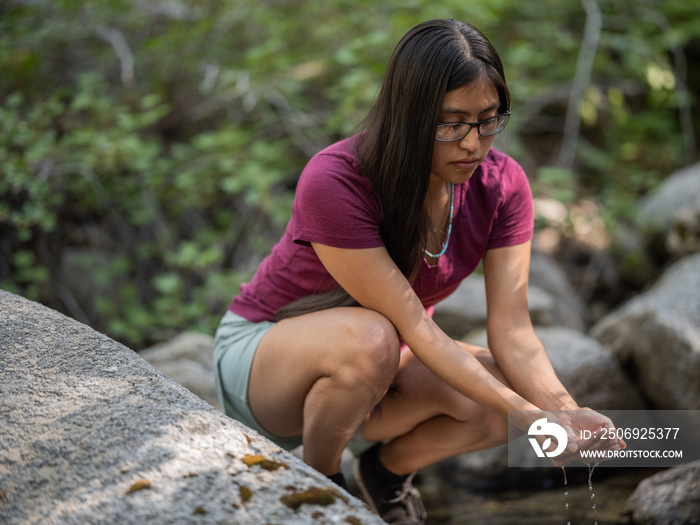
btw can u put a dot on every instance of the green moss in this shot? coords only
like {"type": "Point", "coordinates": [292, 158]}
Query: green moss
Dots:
{"type": "Point", "coordinates": [310, 496]}
{"type": "Point", "coordinates": [267, 464]}
{"type": "Point", "coordinates": [140, 484]}
{"type": "Point", "coordinates": [245, 493]}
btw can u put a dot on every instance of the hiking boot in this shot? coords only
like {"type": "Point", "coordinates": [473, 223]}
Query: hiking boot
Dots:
{"type": "Point", "coordinates": [392, 497]}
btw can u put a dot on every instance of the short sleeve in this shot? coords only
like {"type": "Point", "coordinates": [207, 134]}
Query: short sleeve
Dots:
{"type": "Point", "coordinates": [335, 204]}
{"type": "Point", "coordinates": [514, 221]}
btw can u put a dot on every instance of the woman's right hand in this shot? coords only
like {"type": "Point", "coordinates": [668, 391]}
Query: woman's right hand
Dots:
{"type": "Point", "coordinates": [587, 430]}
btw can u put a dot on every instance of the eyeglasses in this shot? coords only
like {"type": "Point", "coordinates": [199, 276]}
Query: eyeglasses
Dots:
{"type": "Point", "coordinates": [453, 131]}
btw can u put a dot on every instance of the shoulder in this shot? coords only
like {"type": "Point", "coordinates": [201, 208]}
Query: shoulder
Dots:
{"type": "Point", "coordinates": [502, 174]}
{"type": "Point", "coordinates": [338, 156]}
{"type": "Point", "coordinates": [508, 190]}
{"type": "Point", "coordinates": [335, 168]}
{"type": "Point", "coordinates": [500, 165]}
{"type": "Point", "coordinates": [334, 203]}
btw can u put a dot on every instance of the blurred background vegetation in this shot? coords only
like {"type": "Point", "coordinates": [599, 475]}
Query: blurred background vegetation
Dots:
{"type": "Point", "coordinates": [149, 149]}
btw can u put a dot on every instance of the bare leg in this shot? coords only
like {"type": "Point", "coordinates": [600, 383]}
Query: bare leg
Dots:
{"type": "Point", "coordinates": [426, 420]}
{"type": "Point", "coordinates": [320, 375]}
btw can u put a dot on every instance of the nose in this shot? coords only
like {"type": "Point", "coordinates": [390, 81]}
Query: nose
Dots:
{"type": "Point", "coordinates": [471, 141]}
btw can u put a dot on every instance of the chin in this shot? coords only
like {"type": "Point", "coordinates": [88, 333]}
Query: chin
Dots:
{"type": "Point", "coordinates": [463, 176]}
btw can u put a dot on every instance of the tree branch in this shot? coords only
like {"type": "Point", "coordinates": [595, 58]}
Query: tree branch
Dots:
{"type": "Point", "coordinates": [126, 59]}
{"type": "Point", "coordinates": [582, 78]}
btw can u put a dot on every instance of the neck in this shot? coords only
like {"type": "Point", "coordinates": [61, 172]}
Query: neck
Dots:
{"type": "Point", "coordinates": [440, 208]}
{"type": "Point", "coordinates": [438, 198]}
{"type": "Point", "coordinates": [437, 187]}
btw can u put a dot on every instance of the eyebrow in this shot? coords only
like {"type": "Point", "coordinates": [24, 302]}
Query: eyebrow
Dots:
{"type": "Point", "coordinates": [459, 111]}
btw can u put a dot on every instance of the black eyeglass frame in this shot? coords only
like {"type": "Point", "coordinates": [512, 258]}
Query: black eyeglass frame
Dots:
{"type": "Point", "coordinates": [476, 125]}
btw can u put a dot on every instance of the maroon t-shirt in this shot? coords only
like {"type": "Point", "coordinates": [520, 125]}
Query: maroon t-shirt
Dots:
{"type": "Point", "coordinates": [335, 205]}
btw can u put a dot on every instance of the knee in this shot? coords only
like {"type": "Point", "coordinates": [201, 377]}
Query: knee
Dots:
{"type": "Point", "coordinates": [375, 349]}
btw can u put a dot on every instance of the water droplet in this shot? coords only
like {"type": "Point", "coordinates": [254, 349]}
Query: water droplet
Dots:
{"type": "Point", "coordinates": [591, 468]}
{"type": "Point", "coordinates": [566, 490]}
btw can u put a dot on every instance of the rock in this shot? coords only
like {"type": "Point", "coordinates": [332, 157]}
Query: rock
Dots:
{"type": "Point", "coordinates": [670, 218]}
{"type": "Point", "coordinates": [589, 371]}
{"type": "Point", "coordinates": [91, 433]}
{"type": "Point", "coordinates": [546, 310]}
{"type": "Point", "coordinates": [632, 260]}
{"type": "Point", "coordinates": [684, 237]}
{"type": "Point", "coordinates": [671, 497]}
{"type": "Point", "coordinates": [187, 359]}
{"type": "Point", "coordinates": [657, 335]}
{"type": "Point", "coordinates": [551, 301]}
{"type": "Point", "coordinates": [464, 310]}
{"type": "Point", "coordinates": [547, 274]}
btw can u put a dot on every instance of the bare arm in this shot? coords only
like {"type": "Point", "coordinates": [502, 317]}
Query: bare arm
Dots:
{"type": "Point", "coordinates": [372, 278]}
{"type": "Point", "coordinates": [511, 337]}
{"type": "Point", "coordinates": [520, 354]}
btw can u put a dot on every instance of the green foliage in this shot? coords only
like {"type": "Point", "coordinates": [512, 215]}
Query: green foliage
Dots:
{"type": "Point", "coordinates": [149, 150]}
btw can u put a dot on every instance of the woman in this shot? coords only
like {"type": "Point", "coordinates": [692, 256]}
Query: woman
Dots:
{"type": "Point", "coordinates": [332, 341]}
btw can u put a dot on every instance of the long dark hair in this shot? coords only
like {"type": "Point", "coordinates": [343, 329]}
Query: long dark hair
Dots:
{"type": "Point", "coordinates": [398, 139]}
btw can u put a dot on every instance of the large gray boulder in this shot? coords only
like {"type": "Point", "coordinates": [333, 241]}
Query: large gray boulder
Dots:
{"type": "Point", "coordinates": [188, 360]}
{"type": "Point", "coordinates": [589, 371]}
{"type": "Point", "coordinates": [91, 433]}
{"type": "Point", "coordinates": [465, 310]}
{"type": "Point", "coordinates": [551, 301]}
{"type": "Point", "coordinates": [548, 275]}
{"type": "Point", "coordinates": [657, 335]}
{"type": "Point", "coordinates": [670, 217]}
{"type": "Point", "coordinates": [671, 497]}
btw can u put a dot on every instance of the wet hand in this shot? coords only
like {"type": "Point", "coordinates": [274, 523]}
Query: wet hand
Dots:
{"type": "Point", "coordinates": [583, 427]}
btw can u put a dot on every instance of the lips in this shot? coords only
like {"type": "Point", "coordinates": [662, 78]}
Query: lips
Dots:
{"type": "Point", "coordinates": [467, 164]}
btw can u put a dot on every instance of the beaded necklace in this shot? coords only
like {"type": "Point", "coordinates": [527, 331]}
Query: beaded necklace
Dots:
{"type": "Point", "coordinates": [449, 227]}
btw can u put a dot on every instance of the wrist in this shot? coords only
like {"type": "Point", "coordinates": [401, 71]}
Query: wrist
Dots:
{"type": "Point", "coordinates": [568, 403]}
{"type": "Point", "coordinates": [523, 419]}
{"type": "Point", "coordinates": [554, 401]}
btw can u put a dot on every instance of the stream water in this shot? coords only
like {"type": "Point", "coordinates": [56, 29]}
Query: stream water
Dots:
{"type": "Point", "coordinates": [582, 499]}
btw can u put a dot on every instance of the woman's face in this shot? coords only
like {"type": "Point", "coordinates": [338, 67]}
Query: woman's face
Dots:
{"type": "Point", "coordinates": [456, 161]}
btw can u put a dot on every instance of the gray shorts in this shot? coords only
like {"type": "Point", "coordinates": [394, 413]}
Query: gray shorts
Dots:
{"type": "Point", "coordinates": [236, 342]}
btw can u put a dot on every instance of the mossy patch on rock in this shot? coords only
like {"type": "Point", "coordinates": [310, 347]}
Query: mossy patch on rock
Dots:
{"type": "Point", "coordinates": [245, 493]}
{"type": "Point", "coordinates": [266, 464]}
{"type": "Point", "coordinates": [140, 484]}
{"type": "Point", "coordinates": [310, 496]}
